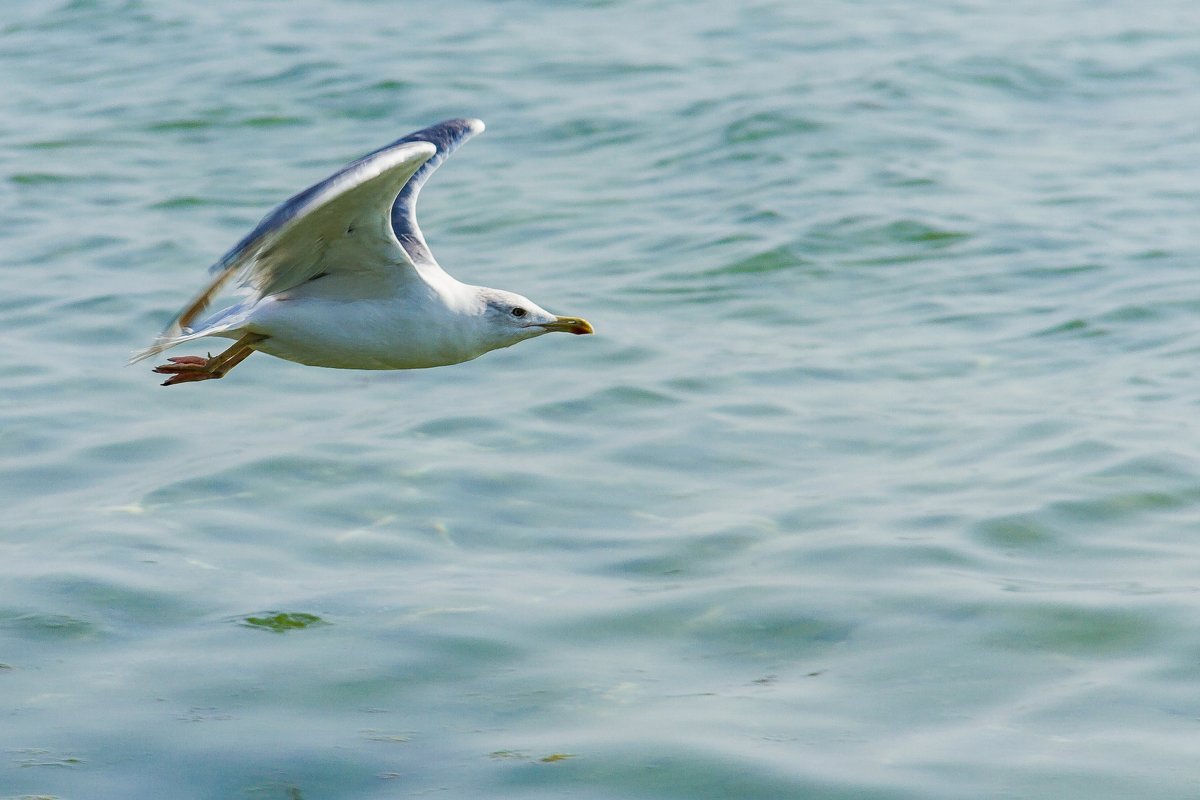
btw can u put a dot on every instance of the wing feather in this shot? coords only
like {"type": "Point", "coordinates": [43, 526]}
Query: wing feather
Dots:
{"type": "Point", "coordinates": [290, 245]}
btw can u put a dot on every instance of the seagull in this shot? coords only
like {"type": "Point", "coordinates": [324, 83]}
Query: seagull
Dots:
{"type": "Point", "coordinates": [340, 276]}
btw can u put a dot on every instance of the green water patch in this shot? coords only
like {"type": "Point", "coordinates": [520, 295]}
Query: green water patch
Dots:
{"type": "Point", "coordinates": [59, 144]}
{"type": "Point", "coordinates": [184, 124]}
{"type": "Point", "coordinates": [1073, 327]}
{"type": "Point", "coordinates": [851, 234]}
{"type": "Point", "coordinates": [591, 129]}
{"type": "Point", "coordinates": [1003, 74]}
{"type": "Point", "coordinates": [509, 755]}
{"type": "Point", "coordinates": [1015, 532]}
{"type": "Point", "coordinates": [391, 85]}
{"type": "Point", "coordinates": [1074, 629]}
{"type": "Point", "coordinates": [615, 400]}
{"type": "Point", "coordinates": [42, 178]}
{"type": "Point", "coordinates": [774, 260]}
{"type": "Point", "coordinates": [39, 757]}
{"type": "Point", "coordinates": [37, 625]}
{"type": "Point", "coordinates": [183, 201]}
{"type": "Point", "coordinates": [553, 757]}
{"type": "Point", "coordinates": [457, 426]}
{"type": "Point", "coordinates": [271, 121]}
{"type": "Point", "coordinates": [283, 621]}
{"type": "Point", "coordinates": [913, 231]}
{"type": "Point", "coordinates": [768, 125]}
{"type": "Point", "coordinates": [290, 75]}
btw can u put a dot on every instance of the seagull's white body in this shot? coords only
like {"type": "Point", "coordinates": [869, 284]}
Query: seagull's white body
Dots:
{"type": "Point", "coordinates": [333, 322]}
{"type": "Point", "coordinates": [340, 276]}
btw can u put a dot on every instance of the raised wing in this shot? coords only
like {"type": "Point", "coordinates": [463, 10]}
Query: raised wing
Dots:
{"type": "Point", "coordinates": [447, 137]}
{"type": "Point", "coordinates": [345, 214]}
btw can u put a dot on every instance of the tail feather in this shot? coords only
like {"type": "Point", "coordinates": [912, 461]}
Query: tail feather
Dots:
{"type": "Point", "coordinates": [163, 343]}
{"type": "Point", "coordinates": [220, 324]}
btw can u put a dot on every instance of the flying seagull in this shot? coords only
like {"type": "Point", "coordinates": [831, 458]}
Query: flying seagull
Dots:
{"type": "Point", "coordinates": [340, 276]}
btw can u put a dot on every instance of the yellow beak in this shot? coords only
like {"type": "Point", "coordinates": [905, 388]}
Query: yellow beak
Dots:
{"type": "Point", "coordinates": [569, 325]}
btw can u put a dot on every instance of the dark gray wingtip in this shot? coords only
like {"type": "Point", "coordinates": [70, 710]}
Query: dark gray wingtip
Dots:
{"type": "Point", "coordinates": [447, 136]}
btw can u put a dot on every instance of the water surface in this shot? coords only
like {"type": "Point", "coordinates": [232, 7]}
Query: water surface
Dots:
{"type": "Point", "coordinates": [879, 479]}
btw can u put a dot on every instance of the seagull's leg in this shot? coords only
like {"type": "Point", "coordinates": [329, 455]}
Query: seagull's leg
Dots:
{"type": "Point", "coordinates": [185, 369]}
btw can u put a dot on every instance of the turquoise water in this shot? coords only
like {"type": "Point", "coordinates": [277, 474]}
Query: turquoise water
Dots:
{"type": "Point", "coordinates": [879, 480]}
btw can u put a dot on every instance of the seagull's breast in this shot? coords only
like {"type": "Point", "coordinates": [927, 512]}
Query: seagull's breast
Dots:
{"type": "Point", "coordinates": [404, 330]}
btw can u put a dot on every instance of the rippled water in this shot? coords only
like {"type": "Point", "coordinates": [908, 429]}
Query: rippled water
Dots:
{"type": "Point", "coordinates": [879, 479]}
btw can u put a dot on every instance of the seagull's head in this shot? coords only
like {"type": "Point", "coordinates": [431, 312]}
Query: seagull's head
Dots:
{"type": "Point", "coordinates": [512, 318]}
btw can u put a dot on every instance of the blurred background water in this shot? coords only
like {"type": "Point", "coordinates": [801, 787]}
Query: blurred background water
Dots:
{"type": "Point", "coordinates": [879, 479]}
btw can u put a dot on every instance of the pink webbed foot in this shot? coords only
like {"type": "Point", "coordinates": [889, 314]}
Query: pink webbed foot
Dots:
{"type": "Point", "coordinates": [190, 368]}
{"type": "Point", "coordinates": [187, 369]}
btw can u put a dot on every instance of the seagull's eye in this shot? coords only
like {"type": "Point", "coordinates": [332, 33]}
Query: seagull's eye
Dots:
{"type": "Point", "coordinates": [518, 312]}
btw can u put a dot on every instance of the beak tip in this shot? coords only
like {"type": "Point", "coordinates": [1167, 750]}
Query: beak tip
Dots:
{"type": "Point", "coordinates": [575, 325]}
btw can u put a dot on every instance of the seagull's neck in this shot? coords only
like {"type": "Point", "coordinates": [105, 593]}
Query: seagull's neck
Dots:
{"type": "Point", "coordinates": [462, 298]}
